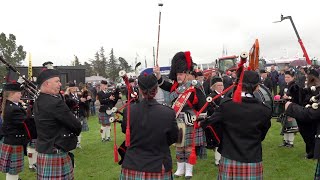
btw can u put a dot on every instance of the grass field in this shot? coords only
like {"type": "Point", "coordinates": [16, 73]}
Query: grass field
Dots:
{"type": "Point", "coordinates": [95, 159]}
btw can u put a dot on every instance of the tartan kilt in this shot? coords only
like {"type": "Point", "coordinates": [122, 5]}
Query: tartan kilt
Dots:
{"type": "Point", "coordinates": [199, 137]}
{"type": "Point", "coordinates": [84, 123]}
{"type": "Point", "coordinates": [54, 166]}
{"type": "Point", "coordinates": [127, 174]}
{"type": "Point", "coordinates": [104, 118]}
{"type": "Point", "coordinates": [11, 158]}
{"type": "Point", "coordinates": [230, 169]}
{"type": "Point", "coordinates": [32, 143]}
{"type": "Point", "coordinates": [317, 173]}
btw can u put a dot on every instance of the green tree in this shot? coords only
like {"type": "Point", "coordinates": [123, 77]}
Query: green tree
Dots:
{"type": "Point", "coordinates": [11, 52]}
{"type": "Point", "coordinates": [102, 63]}
{"type": "Point", "coordinates": [124, 65]}
{"type": "Point", "coordinates": [113, 67]}
{"type": "Point", "coordinates": [95, 63]}
{"type": "Point", "coordinates": [89, 70]}
{"type": "Point", "coordinates": [99, 63]}
{"type": "Point", "coordinates": [76, 61]}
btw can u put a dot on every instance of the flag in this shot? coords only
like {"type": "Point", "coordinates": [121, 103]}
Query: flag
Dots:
{"type": "Point", "coordinates": [30, 68]}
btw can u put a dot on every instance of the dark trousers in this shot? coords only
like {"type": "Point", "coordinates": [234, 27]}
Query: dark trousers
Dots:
{"type": "Point", "coordinates": [92, 108]}
{"type": "Point", "coordinates": [275, 89]}
{"type": "Point", "coordinates": [307, 131]}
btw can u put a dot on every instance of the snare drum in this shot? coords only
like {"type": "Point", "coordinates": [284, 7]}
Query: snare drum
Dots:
{"type": "Point", "coordinates": [278, 107]}
{"type": "Point", "coordinates": [264, 95]}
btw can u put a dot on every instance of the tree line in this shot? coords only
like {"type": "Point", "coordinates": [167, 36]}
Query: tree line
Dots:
{"type": "Point", "coordinates": [105, 66]}
{"type": "Point", "coordinates": [100, 64]}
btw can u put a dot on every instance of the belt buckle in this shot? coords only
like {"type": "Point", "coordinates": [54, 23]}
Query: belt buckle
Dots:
{"type": "Point", "coordinates": [56, 151]}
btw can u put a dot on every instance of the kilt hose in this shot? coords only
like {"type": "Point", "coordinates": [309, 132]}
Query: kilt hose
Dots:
{"type": "Point", "coordinates": [127, 174]}
{"type": "Point", "coordinates": [11, 158]}
{"type": "Point", "coordinates": [104, 118]}
{"type": "Point", "coordinates": [84, 123]}
{"type": "Point", "coordinates": [54, 166]}
{"type": "Point", "coordinates": [317, 173]}
{"type": "Point", "coordinates": [230, 169]}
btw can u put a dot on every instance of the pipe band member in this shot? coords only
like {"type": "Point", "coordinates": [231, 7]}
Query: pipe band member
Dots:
{"type": "Point", "coordinates": [57, 129]}
{"type": "Point", "coordinates": [15, 132]}
{"type": "Point", "coordinates": [153, 128]}
{"type": "Point", "coordinates": [241, 145]}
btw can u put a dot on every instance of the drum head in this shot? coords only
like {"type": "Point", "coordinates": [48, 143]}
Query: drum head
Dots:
{"type": "Point", "coordinates": [264, 95]}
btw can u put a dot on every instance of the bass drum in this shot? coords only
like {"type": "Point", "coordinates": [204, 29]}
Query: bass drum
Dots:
{"type": "Point", "coordinates": [264, 95]}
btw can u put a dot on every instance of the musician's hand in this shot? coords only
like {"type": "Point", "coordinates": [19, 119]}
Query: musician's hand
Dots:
{"type": "Point", "coordinates": [89, 97]}
{"type": "Point", "coordinates": [285, 96]}
{"type": "Point", "coordinates": [112, 97]}
{"type": "Point", "coordinates": [287, 104]}
{"type": "Point", "coordinates": [156, 71]}
{"type": "Point", "coordinates": [83, 99]}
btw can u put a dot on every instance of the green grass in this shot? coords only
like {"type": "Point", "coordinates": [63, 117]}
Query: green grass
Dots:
{"type": "Point", "coordinates": [95, 159]}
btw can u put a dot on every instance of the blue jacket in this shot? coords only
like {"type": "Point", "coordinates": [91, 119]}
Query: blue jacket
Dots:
{"type": "Point", "coordinates": [274, 77]}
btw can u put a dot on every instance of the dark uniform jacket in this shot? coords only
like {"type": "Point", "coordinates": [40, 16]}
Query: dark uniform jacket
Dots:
{"type": "Point", "coordinates": [105, 102]}
{"type": "Point", "coordinates": [72, 102]}
{"type": "Point", "coordinates": [211, 106]}
{"type": "Point", "coordinates": [57, 127]}
{"type": "Point", "coordinates": [84, 106]}
{"type": "Point", "coordinates": [307, 115]}
{"type": "Point", "coordinates": [13, 127]}
{"type": "Point", "coordinates": [294, 91]}
{"type": "Point", "coordinates": [268, 83]}
{"type": "Point", "coordinates": [136, 90]}
{"type": "Point", "coordinates": [244, 127]}
{"type": "Point", "coordinates": [153, 129]}
{"type": "Point", "coordinates": [206, 86]}
{"type": "Point", "coordinates": [213, 138]}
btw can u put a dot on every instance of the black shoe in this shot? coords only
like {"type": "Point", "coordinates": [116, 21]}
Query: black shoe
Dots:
{"type": "Point", "coordinates": [108, 139]}
{"type": "Point", "coordinates": [33, 168]}
{"type": "Point", "coordinates": [284, 144]}
{"type": "Point", "coordinates": [289, 146]}
{"type": "Point", "coordinates": [103, 140]}
{"type": "Point", "coordinates": [309, 156]}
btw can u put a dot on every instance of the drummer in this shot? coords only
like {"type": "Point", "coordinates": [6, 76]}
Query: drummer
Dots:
{"type": "Point", "coordinates": [289, 125]}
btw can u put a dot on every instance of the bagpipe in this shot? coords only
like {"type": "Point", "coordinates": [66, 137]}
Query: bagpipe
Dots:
{"type": "Point", "coordinates": [29, 94]}
{"type": "Point", "coordinates": [314, 101]}
{"type": "Point", "coordinates": [73, 104]}
{"type": "Point", "coordinates": [26, 84]}
{"type": "Point", "coordinates": [115, 118]}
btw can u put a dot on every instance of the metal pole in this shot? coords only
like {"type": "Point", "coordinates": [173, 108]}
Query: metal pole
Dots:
{"type": "Point", "coordinates": [160, 5]}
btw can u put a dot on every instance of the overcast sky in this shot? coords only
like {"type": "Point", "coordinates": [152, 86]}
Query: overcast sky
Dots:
{"type": "Point", "coordinates": [57, 30]}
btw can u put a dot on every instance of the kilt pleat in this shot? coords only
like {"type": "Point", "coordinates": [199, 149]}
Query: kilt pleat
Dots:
{"type": "Point", "coordinates": [127, 174]}
{"type": "Point", "coordinates": [54, 166]}
{"type": "Point", "coordinates": [230, 169]}
{"type": "Point", "coordinates": [104, 118]}
{"type": "Point", "coordinates": [11, 158]}
{"type": "Point", "coordinates": [199, 136]}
